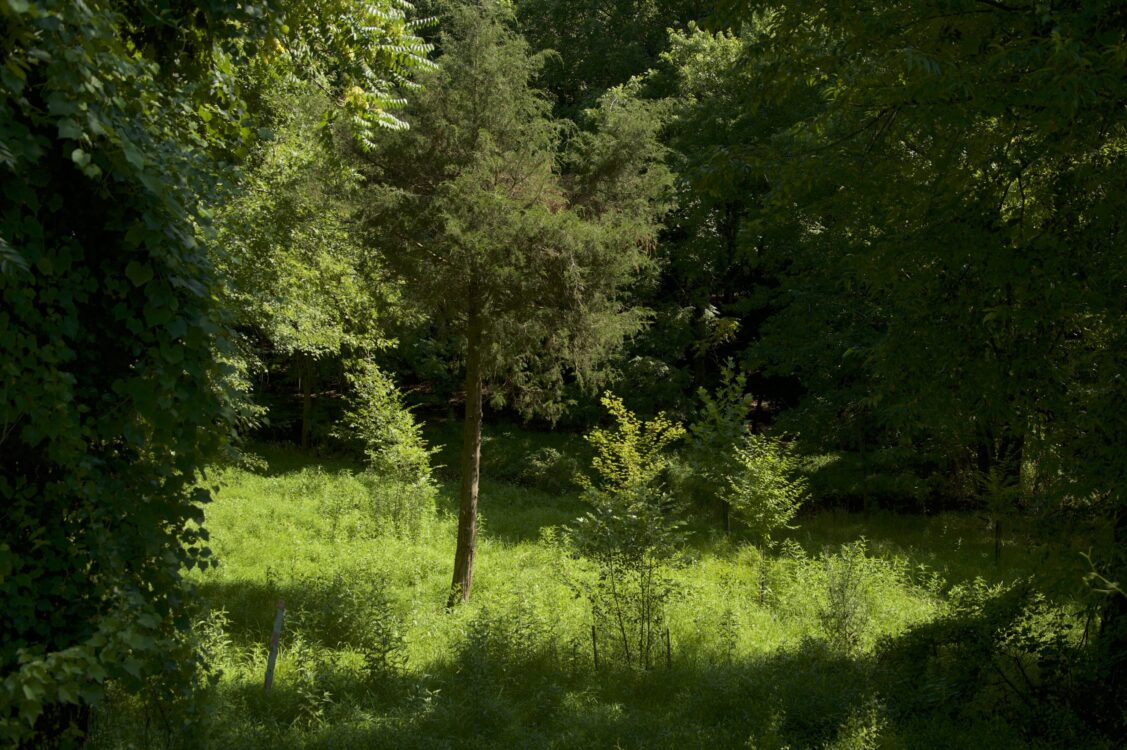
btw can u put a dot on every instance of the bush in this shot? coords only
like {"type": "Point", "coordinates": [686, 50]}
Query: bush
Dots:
{"type": "Point", "coordinates": [630, 535]}
{"type": "Point", "coordinates": [844, 609]}
{"type": "Point", "coordinates": [1003, 651]}
{"type": "Point", "coordinates": [395, 449]}
{"type": "Point", "coordinates": [755, 478]}
{"type": "Point", "coordinates": [765, 489]}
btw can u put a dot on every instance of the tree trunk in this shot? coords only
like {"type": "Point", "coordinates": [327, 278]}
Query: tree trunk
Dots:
{"type": "Point", "coordinates": [305, 376]}
{"type": "Point", "coordinates": [1113, 617]}
{"type": "Point", "coordinates": [471, 470]}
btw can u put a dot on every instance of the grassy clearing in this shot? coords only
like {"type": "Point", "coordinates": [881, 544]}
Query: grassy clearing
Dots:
{"type": "Point", "coordinates": [766, 650]}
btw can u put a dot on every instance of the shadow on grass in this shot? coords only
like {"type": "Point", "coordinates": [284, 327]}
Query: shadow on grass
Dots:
{"type": "Point", "coordinates": [809, 698]}
{"type": "Point", "coordinates": [279, 459]}
{"type": "Point", "coordinates": [333, 612]}
{"type": "Point", "coordinates": [493, 701]}
{"type": "Point", "coordinates": [948, 683]}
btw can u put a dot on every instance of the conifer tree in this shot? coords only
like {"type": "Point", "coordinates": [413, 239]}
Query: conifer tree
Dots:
{"type": "Point", "coordinates": [523, 262]}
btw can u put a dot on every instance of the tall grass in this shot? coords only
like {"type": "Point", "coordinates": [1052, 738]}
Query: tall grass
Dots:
{"type": "Point", "coordinates": [767, 648]}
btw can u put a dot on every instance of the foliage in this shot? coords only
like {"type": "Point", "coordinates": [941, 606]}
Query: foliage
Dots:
{"type": "Point", "coordinates": [951, 181]}
{"type": "Point", "coordinates": [113, 398]}
{"type": "Point", "coordinates": [550, 470]}
{"type": "Point", "coordinates": [766, 489]}
{"type": "Point", "coordinates": [295, 269]}
{"type": "Point", "coordinates": [485, 232]}
{"type": "Point", "coordinates": [395, 449]}
{"type": "Point", "coordinates": [597, 46]}
{"type": "Point", "coordinates": [350, 612]}
{"type": "Point", "coordinates": [757, 479]}
{"type": "Point", "coordinates": [1002, 649]}
{"type": "Point", "coordinates": [631, 533]}
{"type": "Point", "coordinates": [844, 613]}
{"type": "Point", "coordinates": [629, 459]}
{"type": "Point", "coordinates": [117, 119]}
{"type": "Point", "coordinates": [719, 426]}
{"type": "Point", "coordinates": [383, 423]}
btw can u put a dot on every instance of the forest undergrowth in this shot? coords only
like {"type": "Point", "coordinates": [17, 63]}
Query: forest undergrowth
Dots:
{"type": "Point", "coordinates": [850, 632]}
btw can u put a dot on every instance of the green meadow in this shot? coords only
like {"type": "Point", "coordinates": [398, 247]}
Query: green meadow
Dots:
{"type": "Point", "coordinates": [835, 637]}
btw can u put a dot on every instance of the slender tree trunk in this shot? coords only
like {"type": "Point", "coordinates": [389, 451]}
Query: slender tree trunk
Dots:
{"type": "Point", "coordinates": [305, 376]}
{"type": "Point", "coordinates": [1113, 617]}
{"type": "Point", "coordinates": [471, 470]}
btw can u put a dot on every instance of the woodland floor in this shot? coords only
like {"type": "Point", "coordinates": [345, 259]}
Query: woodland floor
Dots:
{"type": "Point", "coordinates": [369, 656]}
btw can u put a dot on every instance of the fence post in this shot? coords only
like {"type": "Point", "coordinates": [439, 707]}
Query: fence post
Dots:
{"type": "Point", "coordinates": [274, 644]}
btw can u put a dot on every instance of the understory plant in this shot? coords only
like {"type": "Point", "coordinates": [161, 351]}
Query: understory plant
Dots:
{"type": "Point", "coordinates": [765, 490]}
{"type": "Point", "coordinates": [631, 535]}
{"type": "Point", "coordinates": [393, 445]}
{"type": "Point", "coordinates": [755, 478]}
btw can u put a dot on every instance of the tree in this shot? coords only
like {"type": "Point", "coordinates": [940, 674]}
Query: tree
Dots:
{"type": "Point", "coordinates": [523, 263]}
{"type": "Point", "coordinates": [962, 177]}
{"type": "Point", "coordinates": [117, 120]}
{"type": "Point", "coordinates": [599, 45]}
{"type": "Point", "coordinates": [304, 286]}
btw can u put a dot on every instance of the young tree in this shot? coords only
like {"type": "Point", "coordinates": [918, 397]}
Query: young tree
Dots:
{"type": "Point", "coordinates": [632, 532]}
{"type": "Point", "coordinates": [525, 264]}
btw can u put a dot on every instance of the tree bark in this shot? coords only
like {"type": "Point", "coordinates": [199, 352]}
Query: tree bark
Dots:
{"type": "Point", "coordinates": [471, 470]}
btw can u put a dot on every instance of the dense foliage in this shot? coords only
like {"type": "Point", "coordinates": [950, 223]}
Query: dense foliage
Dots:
{"type": "Point", "coordinates": [119, 120]}
{"type": "Point", "coordinates": [872, 256]}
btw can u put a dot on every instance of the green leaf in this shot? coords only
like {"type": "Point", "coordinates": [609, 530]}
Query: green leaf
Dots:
{"type": "Point", "coordinates": [133, 154]}
{"type": "Point", "coordinates": [69, 129]}
{"type": "Point", "coordinates": [139, 273]}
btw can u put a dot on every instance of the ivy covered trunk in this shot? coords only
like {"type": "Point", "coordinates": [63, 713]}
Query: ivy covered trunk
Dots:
{"type": "Point", "coordinates": [471, 469]}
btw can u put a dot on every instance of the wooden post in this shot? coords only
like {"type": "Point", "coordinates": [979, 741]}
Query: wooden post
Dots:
{"type": "Point", "coordinates": [274, 644]}
{"type": "Point", "coordinates": [668, 651]}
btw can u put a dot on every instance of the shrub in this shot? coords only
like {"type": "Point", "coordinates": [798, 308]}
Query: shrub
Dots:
{"type": "Point", "coordinates": [765, 489]}
{"type": "Point", "coordinates": [1000, 650]}
{"type": "Point", "coordinates": [394, 446]}
{"type": "Point", "coordinates": [719, 426]}
{"type": "Point", "coordinates": [348, 611]}
{"type": "Point", "coordinates": [755, 478]}
{"type": "Point", "coordinates": [844, 610]}
{"type": "Point", "coordinates": [630, 535]}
